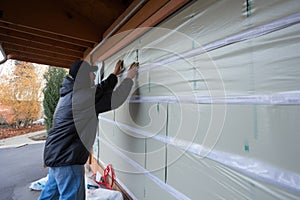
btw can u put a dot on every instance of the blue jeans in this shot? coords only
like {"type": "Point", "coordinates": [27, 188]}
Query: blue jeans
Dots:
{"type": "Point", "coordinates": [64, 183]}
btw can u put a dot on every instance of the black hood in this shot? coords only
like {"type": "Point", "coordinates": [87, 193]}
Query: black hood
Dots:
{"type": "Point", "coordinates": [67, 86]}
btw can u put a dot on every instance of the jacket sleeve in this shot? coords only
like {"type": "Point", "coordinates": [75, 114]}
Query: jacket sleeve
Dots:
{"type": "Point", "coordinates": [107, 85]}
{"type": "Point", "coordinates": [109, 99]}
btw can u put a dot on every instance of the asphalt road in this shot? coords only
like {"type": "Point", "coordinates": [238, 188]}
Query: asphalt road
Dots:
{"type": "Point", "coordinates": [18, 168]}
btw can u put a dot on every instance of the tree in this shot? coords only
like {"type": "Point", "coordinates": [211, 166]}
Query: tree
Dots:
{"type": "Point", "coordinates": [22, 92]}
{"type": "Point", "coordinates": [54, 78]}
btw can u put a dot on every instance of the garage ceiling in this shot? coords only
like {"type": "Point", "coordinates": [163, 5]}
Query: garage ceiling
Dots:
{"type": "Point", "coordinates": [55, 32]}
{"type": "Point", "coordinates": [58, 32]}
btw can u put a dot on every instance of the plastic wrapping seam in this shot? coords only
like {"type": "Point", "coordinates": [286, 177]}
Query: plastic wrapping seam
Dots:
{"type": "Point", "coordinates": [250, 167]}
{"type": "Point", "coordinates": [120, 183]}
{"type": "Point", "coordinates": [282, 98]}
{"type": "Point", "coordinates": [156, 180]}
{"type": "Point", "coordinates": [245, 35]}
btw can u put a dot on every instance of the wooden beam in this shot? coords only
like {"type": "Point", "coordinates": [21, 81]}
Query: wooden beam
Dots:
{"type": "Point", "coordinates": [37, 55]}
{"type": "Point", "coordinates": [38, 39]}
{"type": "Point", "coordinates": [34, 51]}
{"type": "Point", "coordinates": [39, 46]}
{"type": "Point", "coordinates": [45, 34]}
{"type": "Point", "coordinates": [50, 16]}
{"type": "Point", "coordinates": [38, 60]}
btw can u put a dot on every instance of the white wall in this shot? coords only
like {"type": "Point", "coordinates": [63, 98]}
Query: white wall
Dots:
{"type": "Point", "coordinates": [214, 112]}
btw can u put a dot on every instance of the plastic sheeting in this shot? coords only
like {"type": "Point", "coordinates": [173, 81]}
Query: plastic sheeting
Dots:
{"type": "Point", "coordinates": [215, 108]}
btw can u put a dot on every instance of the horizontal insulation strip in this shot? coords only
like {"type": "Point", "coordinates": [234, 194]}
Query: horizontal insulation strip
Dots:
{"type": "Point", "coordinates": [246, 35]}
{"type": "Point", "coordinates": [164, 186]}
{"type": "Point", "coordinates": [250, 167]}
{"type": "Point", "coordinates": [283, 98]}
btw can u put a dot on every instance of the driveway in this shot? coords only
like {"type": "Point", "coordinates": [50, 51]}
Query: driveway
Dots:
{"type": "Point", "coordinates": [18, 168]}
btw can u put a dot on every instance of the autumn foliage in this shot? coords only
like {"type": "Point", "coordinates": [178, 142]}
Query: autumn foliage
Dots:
{"type": "Point", "coordinates": [21, 92]}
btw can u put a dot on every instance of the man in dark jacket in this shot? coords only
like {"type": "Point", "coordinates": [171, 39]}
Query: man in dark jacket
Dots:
{"type": "Point", "coordinates": [75, 125]}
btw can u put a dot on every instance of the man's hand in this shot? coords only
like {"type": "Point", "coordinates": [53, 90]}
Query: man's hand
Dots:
{"type": "Point", "coordinates": [132, 71]}
{"type": "Point", "coordinates": [119, 68]}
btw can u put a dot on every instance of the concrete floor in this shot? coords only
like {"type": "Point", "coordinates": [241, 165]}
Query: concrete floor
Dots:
{"type": "Point", "coordinates": [18, 168]}
{"type": "Point", "coordinates": [21, 163]}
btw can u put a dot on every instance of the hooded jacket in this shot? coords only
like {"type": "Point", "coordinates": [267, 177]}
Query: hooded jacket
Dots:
{"type": "Point", "coordinates": [76, 118]}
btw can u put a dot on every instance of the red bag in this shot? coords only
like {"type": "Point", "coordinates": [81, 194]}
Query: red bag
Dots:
{"type": "Point", "coordinates": [103, 181]}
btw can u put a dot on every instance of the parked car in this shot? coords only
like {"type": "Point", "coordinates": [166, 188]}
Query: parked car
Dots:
{"type": "Point", "coordinates": [40, 121]}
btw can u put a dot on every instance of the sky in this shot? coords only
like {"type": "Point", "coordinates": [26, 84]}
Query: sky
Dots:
{"type": "Point", "coordinates": [8, 67]}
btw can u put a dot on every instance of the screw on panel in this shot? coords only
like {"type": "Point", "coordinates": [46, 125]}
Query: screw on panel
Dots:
{"type": "Point", "coordinates": [248, 7]}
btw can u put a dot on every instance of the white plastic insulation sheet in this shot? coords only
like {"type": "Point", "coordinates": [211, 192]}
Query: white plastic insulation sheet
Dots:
{"type": "Point", "coordinates": [214, 111]}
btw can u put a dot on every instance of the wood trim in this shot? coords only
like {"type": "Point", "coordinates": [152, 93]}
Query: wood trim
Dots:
{"type": "Point", "coordinates": [122, 16]}
{"type": "Point", "coordinates": [95, 166]}
{"type": "Point", "coordinates": [164, 12]}
{"type": "Point", "coordinates": [144, 18]}
{"type": "Point", "coordinates": [143, 14]}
